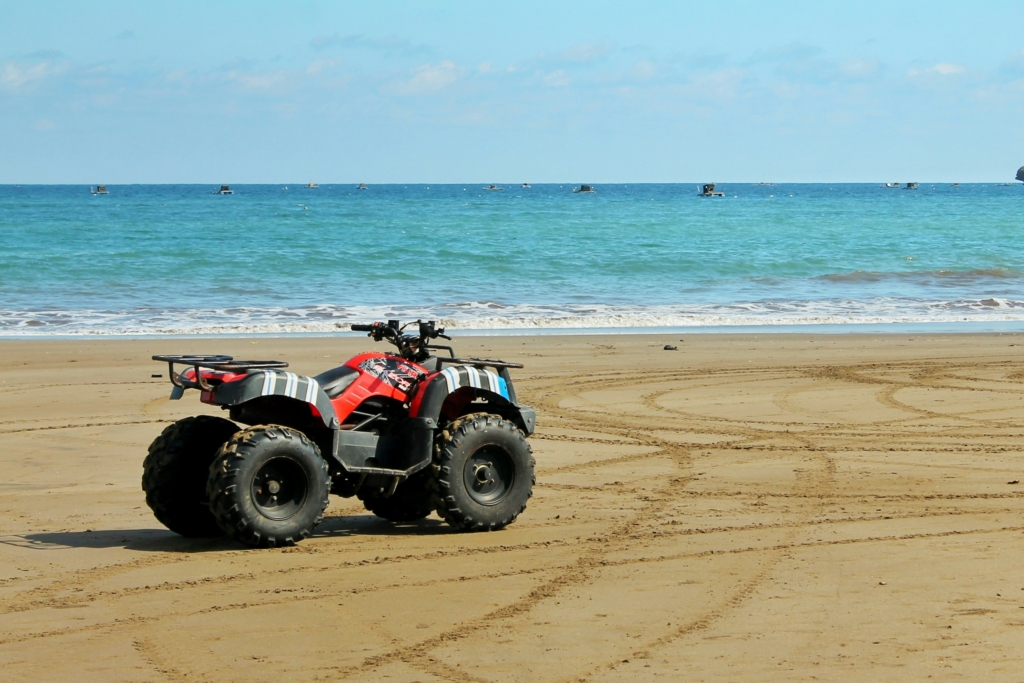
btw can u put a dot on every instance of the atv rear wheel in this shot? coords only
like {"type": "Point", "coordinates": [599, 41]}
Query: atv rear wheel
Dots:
{"type": "Point", "coordinates": [268, 486]}
{"type": "Point", "coordinates": [483, 473]}
{"type": "Point", "coordinates": [411, 501]}
{"type": "Point", "coordinates": [175, 472]}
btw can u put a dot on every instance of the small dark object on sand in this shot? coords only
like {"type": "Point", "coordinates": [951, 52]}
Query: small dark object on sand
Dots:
{"type": "Point", "coordinates": [669, 347]}
{"type": "Point", "coordinates": [1015, 481]}
{"type": "Point", "coordinates": [156, 374]}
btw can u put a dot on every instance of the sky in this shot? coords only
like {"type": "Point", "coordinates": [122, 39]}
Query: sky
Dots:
{"type": "Point", "coordinates": [432, 92]}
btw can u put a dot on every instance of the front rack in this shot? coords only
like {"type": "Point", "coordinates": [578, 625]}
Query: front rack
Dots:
{"type": "Point", "coordinates": [476, 362]}
{"type": "Point", "coordinates": [219, 363]}
{"type": "Point", "coordinates": [479, 362]}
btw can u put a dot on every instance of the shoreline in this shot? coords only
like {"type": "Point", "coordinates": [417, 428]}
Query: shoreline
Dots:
{"type": "Point", "coordinates": [956, 328]}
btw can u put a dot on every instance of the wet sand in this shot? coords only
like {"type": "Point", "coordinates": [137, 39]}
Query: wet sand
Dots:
{"type": "Point", "coordinates": [746, 508]}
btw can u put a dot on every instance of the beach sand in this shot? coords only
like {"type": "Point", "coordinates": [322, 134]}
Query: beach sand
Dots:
{"type": "Point", "coordinates": [746, 508]}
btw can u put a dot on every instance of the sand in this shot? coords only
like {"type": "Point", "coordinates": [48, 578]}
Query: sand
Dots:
{"type": "Point", "coordinates": [746, 508]}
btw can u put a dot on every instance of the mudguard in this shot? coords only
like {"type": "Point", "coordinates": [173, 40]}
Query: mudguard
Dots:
{"type": "Point", "coordinates": [481, 383]}
{"type": "Point", "coordinates": [259, 383]}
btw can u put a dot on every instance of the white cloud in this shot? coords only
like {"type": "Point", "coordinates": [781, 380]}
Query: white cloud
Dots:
{"type": "Point", "coordinates": [557, 79]}
{"type": "Point", "coordinates": [427, 78]}
{"type": "Point", "coordinates": [15, 75]}
{"type": "Point", "coordinates": [179, 76]}
{"type": "Point", "coordinates": [948, 69]}
{"type": "Point", "coordinates": [942, 69]}
{"type": "Point", "coordinates": [859, 68]}
{"type": "Point", "coordinates": [717, 85]}
{"type": "Point", "coordinates": [1014, 62]}
{"type": "Point", "coordinates": [643, 70]}
{"type": "Point", "coordinates": [258, 81]}
{"type": "Point", "coordinates": [793, 52]}
{"type": "Point", "coordinates": [387, 44]}
{"type": "Point", "coordinates": [318, 65]}
{"type": "Point", "coordinates": [585, 52]}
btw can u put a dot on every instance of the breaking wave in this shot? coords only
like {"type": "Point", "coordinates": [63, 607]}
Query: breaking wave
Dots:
{"type": "Point", "coordinates": [488, 315]}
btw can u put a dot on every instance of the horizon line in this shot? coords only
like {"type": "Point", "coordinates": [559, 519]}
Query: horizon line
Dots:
{"type": "Point", "coordinates": [303, 184]}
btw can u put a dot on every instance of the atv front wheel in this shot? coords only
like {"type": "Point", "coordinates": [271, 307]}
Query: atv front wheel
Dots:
{"type": "Point", "coordinates": [411, 501]}
{"type": "Point", "coordinates": [268, 486]}
{"type": "Point", "coordinates": [483, 473]}
{"type": "Point", "coordinates": [174, 474]}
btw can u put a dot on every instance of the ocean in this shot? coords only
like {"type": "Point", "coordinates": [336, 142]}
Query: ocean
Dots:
{"type": "Point", "coordinates": [179, 259]}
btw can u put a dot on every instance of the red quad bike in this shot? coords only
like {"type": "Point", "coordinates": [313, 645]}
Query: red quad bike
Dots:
{"type": "Point", "coordinates": [408, 433]}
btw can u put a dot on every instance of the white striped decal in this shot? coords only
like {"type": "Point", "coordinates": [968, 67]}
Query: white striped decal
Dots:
{"type": "Point", "coordinates": [475, 378]}
{"type": "Point", "coordinates": [451, 378]}
{"type": "Point", "coordinates": [295, 386]}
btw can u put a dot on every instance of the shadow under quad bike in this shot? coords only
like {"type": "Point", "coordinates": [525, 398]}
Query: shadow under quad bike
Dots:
{"type": "Point", "coordinates": [408, 433]}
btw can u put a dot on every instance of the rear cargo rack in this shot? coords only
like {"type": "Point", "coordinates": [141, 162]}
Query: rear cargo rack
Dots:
{"type": "Point", "coordinates": [218, 363]}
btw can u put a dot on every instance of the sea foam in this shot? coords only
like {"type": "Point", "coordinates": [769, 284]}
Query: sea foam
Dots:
{"type": "Point", "coordinates": [493, 316]}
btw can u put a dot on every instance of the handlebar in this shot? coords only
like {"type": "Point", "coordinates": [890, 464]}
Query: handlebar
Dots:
{"type": "Point", "coordinates": [411, 346]}
{"type": "Point", "coordinates": [416, 347]}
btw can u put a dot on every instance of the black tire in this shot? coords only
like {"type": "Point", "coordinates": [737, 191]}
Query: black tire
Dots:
{"type": "Point", "coordinates": [483, 473]}
{"type": "Point", "coordinates": [175, 471]}
{"type": "Point", "coordinates": [411, 501]}
{"type": "Point", "coordinates": [268, 486]}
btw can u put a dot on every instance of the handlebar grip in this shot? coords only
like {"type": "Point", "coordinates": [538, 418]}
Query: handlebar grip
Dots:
{"type": "Point", "coordinates": [362, 328]}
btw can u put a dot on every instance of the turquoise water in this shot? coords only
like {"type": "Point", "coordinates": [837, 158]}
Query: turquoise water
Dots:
{"type": "Point", "coordinates": [179, 259]}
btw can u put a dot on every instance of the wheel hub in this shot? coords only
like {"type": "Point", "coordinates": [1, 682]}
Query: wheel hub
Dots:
{"type": "Point", "coordinates": [489, 475]}
{"type": "Point", "coordinates": [483, 473]}
{"type": "Point", "coordinates": [279, 488]}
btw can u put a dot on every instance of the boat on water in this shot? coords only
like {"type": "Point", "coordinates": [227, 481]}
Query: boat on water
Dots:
{"type": "Point", "coordinates": [362, 186]}
{"type": "Point", "coordinates": [892, 185]}
{"type": "Point", "coordinates": [99, 189]}
{"type": "Point", "coordinates": [582, 189]}
{"type": "Point", "coordinates": [1020, 174]}
{"type": "Point", "coordinates": [708, 190]}
{"type": "Point", "coordinates": [526, 185]}
{"type": "Point", "coordinates": [910, 186]}
{"type": "Point", "coordinates": [312, 186]}
{"type": "Point", "coordinates": [224, 189]}
{"type": "Point", "coordinates": [493, 188]}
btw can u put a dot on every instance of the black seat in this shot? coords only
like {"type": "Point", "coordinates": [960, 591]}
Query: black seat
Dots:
{"type": "Point", "coordinates": [335, 381]}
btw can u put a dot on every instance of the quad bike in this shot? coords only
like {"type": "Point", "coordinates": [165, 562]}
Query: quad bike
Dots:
{"type": "Point", "coordinates": [408, 433]}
